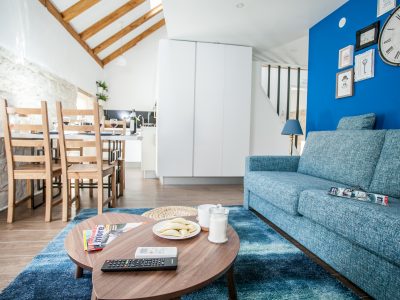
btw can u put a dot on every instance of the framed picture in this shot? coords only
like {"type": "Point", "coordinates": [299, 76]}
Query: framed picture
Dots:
{"type": "Point", "coordinates": [384, 6]}
{"type": "Point", "coordinates": [346, 57]}
{"type": "Point", "coordinates": [344, 83]}
{"type": "Point", "coordinates": [367, 36]}
{"type": "Point", "coordinates": [364, 65]}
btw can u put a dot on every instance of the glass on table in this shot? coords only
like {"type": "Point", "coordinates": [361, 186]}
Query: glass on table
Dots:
{"type": "Point", "coordinates": [66, 121]}
{"type": "Point", "coordinates": [114, 124]}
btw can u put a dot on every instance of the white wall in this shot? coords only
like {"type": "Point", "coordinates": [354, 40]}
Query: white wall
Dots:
{"type": "Point", "coordinates": [266, 126]}
{"type": "Point", "coordinates": [31, 32]}
{"type": "Point", "coordinates": [134, 85]}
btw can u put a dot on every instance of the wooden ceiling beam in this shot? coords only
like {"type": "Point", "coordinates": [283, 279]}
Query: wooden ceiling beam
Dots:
{"type": "Point", "coordinates": [78, 8]}
{"type": "Point", "coordinates": [135, 24]}
{"type": "Point", "coordinates": [107, 20]}
{"type": "Point", "coordinates": [133, 42]}
{"type": "Point", "coordinates": [53, 10]}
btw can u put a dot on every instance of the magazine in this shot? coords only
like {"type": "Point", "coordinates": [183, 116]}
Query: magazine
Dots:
{"type": "Point", "coordinates": [101, 235]}
{"type": "Point", "coordinates": [357, 194]}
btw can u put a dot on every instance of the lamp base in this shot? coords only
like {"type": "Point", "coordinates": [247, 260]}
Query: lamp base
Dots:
{"type": "Point", "coordinates": [291, 144]}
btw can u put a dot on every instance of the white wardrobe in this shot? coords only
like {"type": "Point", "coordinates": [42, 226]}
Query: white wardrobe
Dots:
{"type": "Point", "coordinates": [204, 100]}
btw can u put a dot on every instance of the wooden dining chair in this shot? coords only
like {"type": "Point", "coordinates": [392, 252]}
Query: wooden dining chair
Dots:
{"type": "Point", "coordinates": [28, 167]}
{"type": "Point", "coordinates": [121, 130]}
{"type": "Point", "coordinates": [81, 166]}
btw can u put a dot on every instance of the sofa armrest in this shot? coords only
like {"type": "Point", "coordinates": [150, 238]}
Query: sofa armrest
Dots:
{"type": "Point", "coordinates": [272, 163]}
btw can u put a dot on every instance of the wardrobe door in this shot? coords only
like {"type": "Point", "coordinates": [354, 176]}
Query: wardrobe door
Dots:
{"type": "Point", "coordinates": [176, 78]}
{"type": "Point", "coordinates": [237, 106]}
{"type": "Point", "coordinates": [208, 109]}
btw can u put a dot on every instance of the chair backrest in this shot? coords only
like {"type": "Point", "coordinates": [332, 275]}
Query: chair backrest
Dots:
{"type": "Point", "coordinates": [67, 146]}
{"type": "Point", "coordinates": [13, 137]}
{"type": "Point", "coordinates": [120, 129]}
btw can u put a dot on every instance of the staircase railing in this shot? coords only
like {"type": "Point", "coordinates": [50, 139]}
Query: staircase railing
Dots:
{"type": "Point", "coordinates": [286, 89]}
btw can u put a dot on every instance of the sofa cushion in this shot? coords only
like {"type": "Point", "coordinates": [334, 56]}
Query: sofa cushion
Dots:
{"type": "Point", "coordinates": [371, 226]}
{"type": "Point", "coordinates": [366, 121]}
{"type": "Point", "coordinates": [346, 156]}
{"type": "Point", "coordinates": [386, 179]}
{"type": "Point", "coordinates": [283, 189]}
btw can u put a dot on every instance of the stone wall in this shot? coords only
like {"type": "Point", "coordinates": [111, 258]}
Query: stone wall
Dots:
{"type": "Point", "coordinates": [25, 84]}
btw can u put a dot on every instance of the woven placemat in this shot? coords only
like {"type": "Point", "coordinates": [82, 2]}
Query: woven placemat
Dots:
{"type": "Point", "coordinates": [167, 212]}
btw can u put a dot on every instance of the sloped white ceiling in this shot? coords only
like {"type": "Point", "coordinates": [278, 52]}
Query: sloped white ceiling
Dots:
{"type": "Point", "coordinates": [277, 29]}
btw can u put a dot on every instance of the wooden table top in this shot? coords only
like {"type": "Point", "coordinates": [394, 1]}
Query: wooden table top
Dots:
{"type": "Point", "coordinates": [199, 263]}
{"type": "Point", "coordinates": [74, 241]}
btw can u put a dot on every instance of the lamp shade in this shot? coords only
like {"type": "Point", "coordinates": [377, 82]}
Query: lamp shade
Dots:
{"type": "Point", "coordinates": [292, 127]}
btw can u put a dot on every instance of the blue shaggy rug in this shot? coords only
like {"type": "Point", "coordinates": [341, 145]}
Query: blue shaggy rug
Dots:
{"type": "Point", "coordinates": [268, 267]}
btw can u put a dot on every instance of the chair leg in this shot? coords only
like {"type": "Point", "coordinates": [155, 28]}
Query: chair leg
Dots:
{"type": "Point", "coordinates": [11, 200]}
{"type": "Point", "coordinates": [114, 188]}
{"type": "Point", "coordinates": [49, 200]}
{"type": "Point", "coordinates": [122, 178]}
{"type": "Point", "coordinates": [65, 198]}
{"type": "Point", "coordinates": [77, 195]}
{"type": "Point", "coordinates": [100, 196]}
{"type": "Point", "coordinates": [29, 193]}
{"type": "Point", "coordinates": [91, 188]}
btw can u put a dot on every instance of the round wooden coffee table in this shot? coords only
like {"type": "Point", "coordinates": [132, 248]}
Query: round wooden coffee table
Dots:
{"type": "Point", "coordinates": [74, 241]}
{"type": "Point", "coordinates": [199, 263]}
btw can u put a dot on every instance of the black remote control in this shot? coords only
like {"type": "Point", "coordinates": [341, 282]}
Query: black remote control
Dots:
{"type": "Point", "coordinates": [142, 264]}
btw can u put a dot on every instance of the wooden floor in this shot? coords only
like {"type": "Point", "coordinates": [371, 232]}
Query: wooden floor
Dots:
{"type": "Point", "coordinates": [22, 240]}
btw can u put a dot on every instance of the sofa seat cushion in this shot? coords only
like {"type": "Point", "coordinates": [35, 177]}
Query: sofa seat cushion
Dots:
{"type": "Point", "coordinates": [386, 179]}
{"type": "Point", "coordinates": [346, 156]}
{"type": "Point", "coordinates": [371, 226]}
{"type": "Point", "coordinates": [283, 189]}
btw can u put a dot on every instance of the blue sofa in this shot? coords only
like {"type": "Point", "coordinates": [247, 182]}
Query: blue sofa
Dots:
{"type": "Point", "coordinates": [360, 240]}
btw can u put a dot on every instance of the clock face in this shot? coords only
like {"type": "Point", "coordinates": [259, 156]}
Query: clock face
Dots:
{"type": "Point", "coordinates": [389, 40]}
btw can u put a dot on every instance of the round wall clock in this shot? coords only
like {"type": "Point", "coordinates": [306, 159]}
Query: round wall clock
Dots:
{"type": "Point", "coordinates": [389, 39]}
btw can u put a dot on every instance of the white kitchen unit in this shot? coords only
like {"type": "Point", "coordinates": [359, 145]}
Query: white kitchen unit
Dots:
{"type": "Point", "coordinates": [175, 123]}
{"type": "Point", "coordinates": [148, 152]}
{"type": "Point", "coordinates": [133, 151]}
{"type": "Point", "coordinates": [215, 113]}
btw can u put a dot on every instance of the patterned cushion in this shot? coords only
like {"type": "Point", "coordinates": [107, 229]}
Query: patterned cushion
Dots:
{"type": "Point", "coordinates": [386, 179]}
{"type": "Point", "coordinates": [371, 226]}
{"type": "Point", "coordinates": [283, 189]}
{"type": "Point", "coordinates": [357, 122]}
{"type": "Point", "coordinates": [347, 156]}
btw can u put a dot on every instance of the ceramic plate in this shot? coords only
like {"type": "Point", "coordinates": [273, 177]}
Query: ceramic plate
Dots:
{"type": "Point", "coordinates": [159, 225]}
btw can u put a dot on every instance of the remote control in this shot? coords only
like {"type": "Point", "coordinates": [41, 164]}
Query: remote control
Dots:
{"type": "Point", "coordinates": [146, 264]}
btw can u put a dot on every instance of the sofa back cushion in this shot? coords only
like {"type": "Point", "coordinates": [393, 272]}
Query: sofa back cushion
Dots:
{"type": "Point", "coordinates": [366, 121]}
{"type": "Point", "coordinates": [346, 156]}
{"type": "Point", "coordinates": [386, 179]}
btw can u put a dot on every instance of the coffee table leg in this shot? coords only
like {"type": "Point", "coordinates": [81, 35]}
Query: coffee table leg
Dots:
{"type": "Point", "coordinates": [93, 296]}
{"type": "Point", "coordinates": [78, 272]}
{"type": "Point", "coordinates": [231, 284]}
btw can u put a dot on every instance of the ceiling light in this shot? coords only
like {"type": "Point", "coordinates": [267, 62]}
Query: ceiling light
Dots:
{"type": "Point", "coordinates": [240, 5]}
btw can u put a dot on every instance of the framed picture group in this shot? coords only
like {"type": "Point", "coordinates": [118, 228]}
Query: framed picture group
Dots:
{"type": "Point", "coordinates": [355, 68]}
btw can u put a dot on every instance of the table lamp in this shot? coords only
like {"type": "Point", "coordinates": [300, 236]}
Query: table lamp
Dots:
{"type": "Point", "coordinates": [292, 128]}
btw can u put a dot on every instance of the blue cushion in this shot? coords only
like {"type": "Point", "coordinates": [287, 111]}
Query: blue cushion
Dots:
{"type": "Point", "coordinates": [386, 179]}
{"type": "Point", "coordinates": [366, 121]}
{"type": "Point", "coordinates": [347, 156]}
{"type": "Point", "coordinates": [283, 189]}
{"type": "Point", "coordinates": [372, 226]}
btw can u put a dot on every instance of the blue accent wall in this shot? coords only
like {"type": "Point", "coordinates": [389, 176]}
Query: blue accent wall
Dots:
{"type": "Point", "coordinates": [380, 94]}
